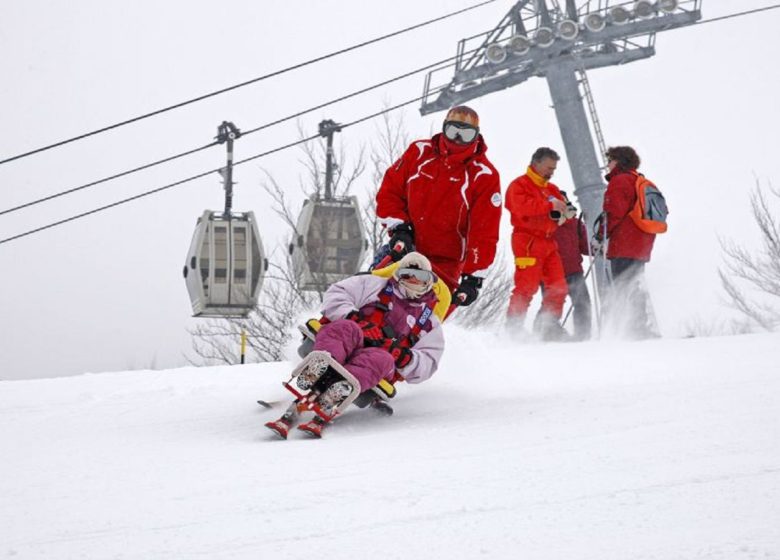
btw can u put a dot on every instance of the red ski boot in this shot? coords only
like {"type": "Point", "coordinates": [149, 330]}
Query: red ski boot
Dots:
{"type": "Point", "coordinates": [280, 427]}
{"type": "Point", "coordinates": [313, 427]}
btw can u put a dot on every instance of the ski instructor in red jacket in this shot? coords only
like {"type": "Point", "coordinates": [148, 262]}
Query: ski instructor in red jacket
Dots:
{"type": "Point", "coordinates": [537, 208]}
{"type": "Point", "coordinates": [443, 199]}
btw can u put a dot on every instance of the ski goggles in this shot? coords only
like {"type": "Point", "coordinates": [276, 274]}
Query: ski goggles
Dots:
{"type": "Point", "coordinates": [460, 132]}
{"type": "Point", "coordinates": [417, 274]}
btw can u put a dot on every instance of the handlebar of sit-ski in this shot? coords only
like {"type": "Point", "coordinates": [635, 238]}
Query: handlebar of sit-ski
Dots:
{"type": "Point", "coordinates": [388, 260]}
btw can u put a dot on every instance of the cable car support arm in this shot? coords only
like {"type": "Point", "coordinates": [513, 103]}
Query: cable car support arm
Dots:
{"type": "Point", "coordinates": [227, 132]}
{"type": "Point", "coordinates": [327, 129]}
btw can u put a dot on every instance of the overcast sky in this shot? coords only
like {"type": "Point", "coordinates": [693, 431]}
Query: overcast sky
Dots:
{"type": "Point", "coordinates": [106, 292]}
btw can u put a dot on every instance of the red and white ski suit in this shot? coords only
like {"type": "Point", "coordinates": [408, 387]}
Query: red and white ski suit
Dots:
{"type": "Point", "coordinates": [536, 254]}
{"type": "Point", "coordinates": [452, 196]}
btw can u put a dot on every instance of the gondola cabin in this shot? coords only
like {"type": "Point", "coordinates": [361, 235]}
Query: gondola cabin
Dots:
{"type": "Point", "coordinates": [331, 242]}
{"type": "Point", "coordinates": [225, 265]}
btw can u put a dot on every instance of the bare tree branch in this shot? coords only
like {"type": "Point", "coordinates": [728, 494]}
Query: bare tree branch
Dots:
{"type": "Point", "coordinates": [280, 206]}
{"type": "Point", "coordinates": [391, 142]}
{"type": "Point", "coordinates": [761, 271]}
{"type": "Point", "coordinates": [490, 307]}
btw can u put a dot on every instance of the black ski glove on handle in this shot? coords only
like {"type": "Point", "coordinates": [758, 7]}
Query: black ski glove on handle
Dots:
{"type": "Point", "coordinates": [468, 290]}
{"type": "Point", "coordinates": [353, 315]}
{"type": "Point", "coordinates": [401, 355]}
{"type": "Point", "coordinates": [401, 240]}
{"type": "Point", "coordinates": [372, 333]}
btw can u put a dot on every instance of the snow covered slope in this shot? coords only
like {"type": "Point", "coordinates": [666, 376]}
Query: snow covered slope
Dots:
{"type": "Point", "coordinates": [662, 449]}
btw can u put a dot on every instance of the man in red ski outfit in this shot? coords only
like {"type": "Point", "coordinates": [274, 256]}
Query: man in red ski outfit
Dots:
{"type": "Point", "coordinates": [628, 247]}
{"type": "Point", "coordinates": [572, 241]}
{"type": "Point", "coordinates": [442, 198]}
{"type": "Point", "coordinates": [537, 208]}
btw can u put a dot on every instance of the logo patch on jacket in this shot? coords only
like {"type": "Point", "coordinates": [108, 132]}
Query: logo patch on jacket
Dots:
{"type": "Point", "coordinates": [496, 199]}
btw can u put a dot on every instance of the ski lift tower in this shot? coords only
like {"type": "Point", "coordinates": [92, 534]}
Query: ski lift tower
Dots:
{"type": "Point", "coordinates": [560, 40]}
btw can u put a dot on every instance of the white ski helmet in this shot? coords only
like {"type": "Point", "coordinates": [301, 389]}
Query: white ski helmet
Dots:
{"type": "Point", "coordinates": [414, 275]}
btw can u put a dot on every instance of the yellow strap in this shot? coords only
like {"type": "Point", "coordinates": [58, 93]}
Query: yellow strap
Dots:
{"type": "Point", "coordinates": [314, 325]}
{"type": "Point", "coordinates": [386, 387]}
{"type": "Point", "coordinates": [525, 262]}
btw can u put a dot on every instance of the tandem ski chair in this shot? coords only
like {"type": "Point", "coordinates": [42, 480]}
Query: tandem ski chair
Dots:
{"type": "Point", "coordinates": [378, 396]}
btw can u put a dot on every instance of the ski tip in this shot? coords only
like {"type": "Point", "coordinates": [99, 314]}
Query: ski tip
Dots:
{"type": "Point", "coordinates": [264, 404]}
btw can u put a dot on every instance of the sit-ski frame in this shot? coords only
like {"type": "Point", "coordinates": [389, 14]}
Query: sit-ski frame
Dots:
{"type": "Point", "coordinates": [307, 401]}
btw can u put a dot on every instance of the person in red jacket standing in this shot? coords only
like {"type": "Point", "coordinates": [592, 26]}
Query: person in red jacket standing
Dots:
{"type": "Point", "coordinates": [628, 247]}
{"type": "Point", "coordinates": [572, 241]}
{"type": "Point", "coordinates": [537, 208]}
{"type": "Point", "coordinates": [442, 198]}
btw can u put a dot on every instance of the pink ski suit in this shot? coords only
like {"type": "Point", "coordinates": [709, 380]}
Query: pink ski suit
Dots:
{"type": "Point", "coordinates": [343, 338]}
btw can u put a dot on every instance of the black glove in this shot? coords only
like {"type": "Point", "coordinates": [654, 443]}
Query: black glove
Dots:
{"type": "Point", "coordinates": [597, 241]}
{"type": "Point", "coordinates": [571, 210]}
{"type": "Point", "coordinates": [598, 226]}
{"type": "Point", "coordinates": [354, 315]}
{"type": "Point", "coordinates": [373, 335]}
{"type": "Point", "coordinates": [402, 356]}
{"type": "Point", "coordinates": [597, 246]}
{"type": "Point", "coordinates": [468, 290]}
{"type": "Point", "coordinates": [401, 240]}
{"type": "Point", "coordinates": [558, 209]}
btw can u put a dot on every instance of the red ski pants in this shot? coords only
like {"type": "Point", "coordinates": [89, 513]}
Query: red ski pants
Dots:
{"type": "Point", "coordinates": [537, 262]}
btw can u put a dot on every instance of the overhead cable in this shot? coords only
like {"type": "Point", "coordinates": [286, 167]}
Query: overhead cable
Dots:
{"type": "Point", "coordinates": [246, 83]}
{"type": "Point", "coordinates": [192, 178]}
{"type": "Point", "coordinates": [244, 133]}
{"type": "Point", "coordinates": [729, 16]}
{"type": "Point", "coordinates": [200, 175]}
{"type": "Point", "coordinates": [105, 179]}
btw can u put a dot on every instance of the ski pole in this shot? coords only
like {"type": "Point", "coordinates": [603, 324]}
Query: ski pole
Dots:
{"type": "Point", "coordinates": [571, 307]}
{"type": "Point", "coordinates": [599, 223]}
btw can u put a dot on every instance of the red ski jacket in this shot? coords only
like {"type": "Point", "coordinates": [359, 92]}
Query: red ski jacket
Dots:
{"type": "Point", "coordinates": [572, 240]}
{"type": "Point", "coordinates": [527, 200]}
{"type": "Point", "coordinates": [625, 239]}
{"type": "Point", "coordinates": [453, 200]}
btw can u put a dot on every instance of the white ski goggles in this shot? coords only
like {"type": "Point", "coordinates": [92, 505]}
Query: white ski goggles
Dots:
{"type": "Point", "coordinates": [423, 276]}
{"type": "Point", "coordinates": [460, 132]}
